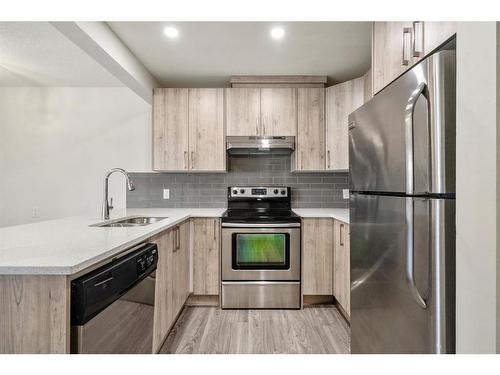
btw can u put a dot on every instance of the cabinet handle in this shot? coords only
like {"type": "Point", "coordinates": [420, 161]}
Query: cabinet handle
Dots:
{"type": "Point", "coordinates": [257, 128]}
{"type": "Point", "coordinates": [302, 160]}
{"type": "Point", "coordinates": [342, 234]}
{"type": "Point", "coordinates": [328, 158]}
{"type": "Point", "coordinates": [407, 35]}
{"type": "Point", "coordinates": [215, 229]}
{"type": "Point", "coordinates": [185, 159]}
{"type": "Point", "coordinates": [178, 238]}
{"type": "Point", "coordinates": [174, 240]}
{"type": "Point", "coordinates": [418, 39]}
{"type": "Point", "coordinates": [192, 159]}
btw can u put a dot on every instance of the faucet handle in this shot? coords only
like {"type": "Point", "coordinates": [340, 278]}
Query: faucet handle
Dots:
{"type": "Point", "coordinates": [110, 206]}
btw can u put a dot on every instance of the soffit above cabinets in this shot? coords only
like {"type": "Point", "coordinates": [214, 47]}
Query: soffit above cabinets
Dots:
{"type": "Point", "coordinates": [206, 54]}
{"type": "Point", "coordinates": [37, 54]}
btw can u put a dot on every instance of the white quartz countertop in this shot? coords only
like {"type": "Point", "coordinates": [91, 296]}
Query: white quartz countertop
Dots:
{"type": "Point", "coordinates": [70, 245]}
{"type": "Point", "coordinates": [341, 214]}
{"type": "Point", "coordinates": [67, 246]}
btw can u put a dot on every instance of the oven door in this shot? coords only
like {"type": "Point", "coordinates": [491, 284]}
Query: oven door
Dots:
{"type": "Point", "coordinates": [254, 252]}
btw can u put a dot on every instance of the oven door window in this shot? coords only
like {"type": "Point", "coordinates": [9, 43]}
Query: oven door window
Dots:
{"type": "Point", "coordinates": [269, 251]}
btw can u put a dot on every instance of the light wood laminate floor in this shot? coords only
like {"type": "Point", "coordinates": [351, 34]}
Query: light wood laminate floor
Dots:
{"type": "Point", "coordinates": [210, 330]}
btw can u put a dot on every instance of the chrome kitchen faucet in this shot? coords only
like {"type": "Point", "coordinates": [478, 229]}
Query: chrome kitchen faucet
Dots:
{"type": "Point", "coordinates": [106, 205]}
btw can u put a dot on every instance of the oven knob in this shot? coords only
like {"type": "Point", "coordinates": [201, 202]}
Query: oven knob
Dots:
{"type": "Point", "coordinates": [242, 191]}
{"type": "Point", "coordinates": [283, 192]}
{"type": "Point", "coordinates": [235, 191]}
{"type": "Point", "coordinates": [275, 191]}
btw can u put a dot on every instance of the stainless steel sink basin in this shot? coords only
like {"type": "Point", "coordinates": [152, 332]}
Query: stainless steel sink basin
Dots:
{"type": "Point", "coordinates": [136, 221]}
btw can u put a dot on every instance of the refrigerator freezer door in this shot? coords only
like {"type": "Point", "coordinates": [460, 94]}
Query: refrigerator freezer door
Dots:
{"type": "Point", "coordinates": [402, 140]}
{"type": "Point", "coordinates": [386, 315]}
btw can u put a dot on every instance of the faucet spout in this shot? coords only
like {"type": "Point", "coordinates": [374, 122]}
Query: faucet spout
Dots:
{"type": "Point", "coordinates": [106, 206]}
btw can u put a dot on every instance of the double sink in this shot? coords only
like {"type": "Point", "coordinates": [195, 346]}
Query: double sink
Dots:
{"type": "Point", "coordinates": [136, 221]}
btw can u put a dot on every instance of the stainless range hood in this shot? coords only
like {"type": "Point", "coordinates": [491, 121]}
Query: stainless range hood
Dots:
{"type": "Point", "coordinates": [239, 145]}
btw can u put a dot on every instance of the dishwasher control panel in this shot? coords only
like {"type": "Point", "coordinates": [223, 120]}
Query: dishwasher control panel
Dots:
{"type": "Point", "coordinates": [146, 260]}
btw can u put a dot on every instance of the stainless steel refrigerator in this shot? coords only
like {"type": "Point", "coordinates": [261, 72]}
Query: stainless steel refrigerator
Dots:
{"type": "Point", "coordinates": [402, 213]}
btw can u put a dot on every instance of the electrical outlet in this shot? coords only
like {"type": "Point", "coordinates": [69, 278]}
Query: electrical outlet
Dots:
{"type": "Point", "coordinates": [345, 193]}
{"type": "Point", "coordinates": [35, 213]}
{"type": "Point", "coordinates": [166, 193]}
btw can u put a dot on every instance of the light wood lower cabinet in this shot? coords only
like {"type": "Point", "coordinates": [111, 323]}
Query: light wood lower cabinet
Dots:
{"type": "Point", "coordinates": [34, 314]}
{"type": "Point", "coordinates": [172, 279]}
{"type": "Point", "coordinates": [342, 266]}
{"type": "Point", "coordinates": [317, 256]}
{"type": "Point", "coordinates": [164, 292]}
{"type": "Point", "coordinates": [205, 252]}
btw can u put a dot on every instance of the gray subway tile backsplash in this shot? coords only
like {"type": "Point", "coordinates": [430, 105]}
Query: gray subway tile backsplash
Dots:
{"type": "Point", "coordinates": [208, 190]}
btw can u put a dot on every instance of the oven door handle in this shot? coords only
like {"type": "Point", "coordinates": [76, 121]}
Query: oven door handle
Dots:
{"type": "Point", "coordinates": [249, 225]}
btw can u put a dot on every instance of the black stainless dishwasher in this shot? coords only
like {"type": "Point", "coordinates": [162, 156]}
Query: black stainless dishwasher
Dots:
{"type": "Point", "coordinates": [112, 307]}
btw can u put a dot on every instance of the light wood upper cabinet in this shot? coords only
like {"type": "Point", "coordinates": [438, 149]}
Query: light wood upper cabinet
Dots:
{"type": "Point", "coordinates": [206, 243]}
{"type": "Point", "coordinates": [170, 129]}
{"type": "Point", "coordinates": [341, 266]}
{"type": "Point", "coordinates": [396, 46]}
{"type": "Point", "coordinates": [436, 33]}
{"type": "Point", "coordinates": [310, 141]}
{"type": "Point", "coordinates": [391, 51]}
{"type": "Point", "coordinates": [243, 111]}
{"type": "Point", "coordinates": [278, 111]}
{"type": "Point", "coordinates": [188, 130]}
{"type": "Point", "coordinates": [206, 130]}
{"type": "Point", "coordinates": [341, 100]}
{"type": "Point", "coordinates": [317, 256]}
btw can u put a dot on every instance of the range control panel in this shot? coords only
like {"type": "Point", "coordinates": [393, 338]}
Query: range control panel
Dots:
{"type": "Point", "coordinates": [258, 192]}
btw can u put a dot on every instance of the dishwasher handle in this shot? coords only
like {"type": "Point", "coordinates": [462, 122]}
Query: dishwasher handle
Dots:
{"type": "Point", "coordinates": [96, 290]}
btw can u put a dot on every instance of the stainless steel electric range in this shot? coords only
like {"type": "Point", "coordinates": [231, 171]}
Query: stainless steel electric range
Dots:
{"type": "Point", "coordinates": [260, 258]}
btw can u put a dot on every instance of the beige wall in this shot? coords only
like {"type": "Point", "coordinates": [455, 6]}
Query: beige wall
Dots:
{"type": "Point", "coordinates": [57, 144]}
{"type": "Point", "coordinates": [476, 188]}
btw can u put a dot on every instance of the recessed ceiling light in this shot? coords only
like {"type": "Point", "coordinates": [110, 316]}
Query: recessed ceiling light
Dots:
{"type": "Point", "coordinates": [171, 32]}
{"type": "Point", "coordinates": [277, 32]}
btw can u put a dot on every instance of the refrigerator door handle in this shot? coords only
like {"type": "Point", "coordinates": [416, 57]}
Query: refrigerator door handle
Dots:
{"type": "Point", "coordinates": [409, 111]}
{"type": "Point", "coordinates": [410, 269]}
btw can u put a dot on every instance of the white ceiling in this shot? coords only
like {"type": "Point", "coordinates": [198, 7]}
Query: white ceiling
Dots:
{"type": "Point", "coordinates": [36, 54]}
{"type": "Point", "coordinates": [207, 53]}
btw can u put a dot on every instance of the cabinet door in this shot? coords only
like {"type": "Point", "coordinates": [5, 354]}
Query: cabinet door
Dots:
{"type": "Point", "coordinates": [181, 271]}
{"type": "Point", "coordinates": [164, 291]}
{"type": "Point", "coordinates": [341, 266]}
{"type": "Point", "coordinates": [436, 33]}
{"type": "Point", "coordinates": [207, 150]}
{"type": "Point", "coordinates": [310, 142]}
{"type": "Point", "coordinates": [243, 111]}
{"type": "Point", "coordinates": [391, 51]}
{"type": "Point", "coordinates": [278, 108]}
{"type": "Point", "coordinates": [341, 100]}
{"type": "Point", "coordinates": [206, 243]}
{"type": "Point", "coordinates": [170, 129]}
{"type": "Point", "coordinates": [317, 256]}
